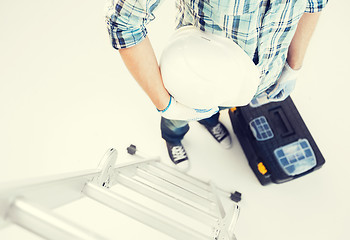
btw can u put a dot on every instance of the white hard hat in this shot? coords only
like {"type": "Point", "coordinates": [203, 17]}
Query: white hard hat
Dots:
{"type": "Point", "coordinates": [202, 70]}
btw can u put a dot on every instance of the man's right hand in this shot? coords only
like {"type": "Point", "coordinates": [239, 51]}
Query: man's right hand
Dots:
{"type": "Point", "coordinates": [178, 111]}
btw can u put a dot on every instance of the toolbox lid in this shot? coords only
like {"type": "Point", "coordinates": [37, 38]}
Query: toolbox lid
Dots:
{"type": "Point", "coordinates": [261, 129]}
{"type": "Point", "coordinates": [296, 158]}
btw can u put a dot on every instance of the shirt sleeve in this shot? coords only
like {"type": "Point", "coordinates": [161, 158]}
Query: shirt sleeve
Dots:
{"type": "Point", "coordinates": [314, 6]}
{"type": "Point", "coordinates": [127, 19]}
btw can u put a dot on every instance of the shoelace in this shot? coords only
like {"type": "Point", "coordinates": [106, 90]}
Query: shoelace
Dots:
{"type": "Point", "coordinates": [218, 132]}
{"type": "Point", "coordinates": [178, 153]}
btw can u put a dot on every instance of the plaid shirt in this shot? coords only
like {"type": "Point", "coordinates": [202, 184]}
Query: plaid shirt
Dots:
{"type": "Point", "coordinates": [263, 28]}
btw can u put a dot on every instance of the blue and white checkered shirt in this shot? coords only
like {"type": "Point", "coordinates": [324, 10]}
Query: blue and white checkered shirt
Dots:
{"type": "Point", "coordinates": [263, 28]}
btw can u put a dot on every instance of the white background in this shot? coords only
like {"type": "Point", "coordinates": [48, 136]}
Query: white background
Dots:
{"type": "Point", "coordinates": [66, 97]}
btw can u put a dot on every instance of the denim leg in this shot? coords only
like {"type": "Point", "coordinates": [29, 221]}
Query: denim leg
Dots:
{"type": "Point", "coordinates": [210, 122]}
{"type": "Point", "coordinates": [213, 120]}
{"type": "Point", "coordinates": [173, 130]}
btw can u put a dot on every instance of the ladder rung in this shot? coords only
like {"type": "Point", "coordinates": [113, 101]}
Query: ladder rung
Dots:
{"type": "Point", "coordinates": [197, 182]}
{"type": "Point", "coordinates": [178, 190]}
{"type": "Point", "coordinates": [142, 213]}
{"type": "Point", "coordinates": [181, 175]}
{"type": "Point", "coordinates": [167, 199]}
{"type": "Point", "coordinates": [190, 186]}
{"type": "Point", "coordinates": [47, 224]}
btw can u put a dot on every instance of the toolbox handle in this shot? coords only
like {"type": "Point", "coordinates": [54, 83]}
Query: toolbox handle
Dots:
{"type": "Point", "coordinates": [283, 120]}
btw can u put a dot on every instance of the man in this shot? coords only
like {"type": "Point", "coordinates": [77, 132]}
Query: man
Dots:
{"type": "Point", "coordinates": [274, 33]}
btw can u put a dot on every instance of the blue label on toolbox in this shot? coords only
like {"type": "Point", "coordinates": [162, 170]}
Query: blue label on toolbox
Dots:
{"type": "Point", "coordinates": [296, 158]}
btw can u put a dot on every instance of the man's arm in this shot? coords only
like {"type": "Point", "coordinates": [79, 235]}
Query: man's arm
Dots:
{"type": "Point", "coordinates": [143, 66]}
{"type": "Point", "coordinates": [301, 39]}
{"type": "Point", "coordinates": [296, 52]}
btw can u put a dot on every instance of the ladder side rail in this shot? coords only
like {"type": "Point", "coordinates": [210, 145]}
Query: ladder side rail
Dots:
{"type": "Point", "coordinates": [142, 213]}
{"type": "Point", "coordinates": [231, 220]}
{"type": "Point", "coordinates": [46, 224]}
{"type": "Point", "coordinates": [220, 208]}
{"type": "Point", "coordinates": [225, 228]}
{"type": "Point", "coordinates": [43, 191]}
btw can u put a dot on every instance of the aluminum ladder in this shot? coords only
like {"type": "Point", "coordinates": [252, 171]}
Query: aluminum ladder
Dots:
{"type": "Point", "coordinates": [29, 204]}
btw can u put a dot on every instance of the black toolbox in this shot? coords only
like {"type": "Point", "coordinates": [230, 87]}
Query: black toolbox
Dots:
{"type": "Point", "coordinates": [276, 141]}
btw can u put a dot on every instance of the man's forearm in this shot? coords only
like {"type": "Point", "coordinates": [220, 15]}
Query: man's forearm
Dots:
{"type": "Point", "coordinates": [142, 64]}
{"type": "Point", "coordinates": [301, 39]}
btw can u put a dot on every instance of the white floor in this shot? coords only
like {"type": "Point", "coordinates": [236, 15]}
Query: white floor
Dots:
{"type": "Point", "coordinates": [65, 97]}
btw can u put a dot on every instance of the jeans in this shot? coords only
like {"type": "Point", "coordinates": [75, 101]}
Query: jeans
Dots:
{"type": "Point", "coordinates": [173, 131]}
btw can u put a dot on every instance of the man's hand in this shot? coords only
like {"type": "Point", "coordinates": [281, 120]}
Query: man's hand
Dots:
{"type": "Point", "coordinates": [178, 111]}
{"type": "Point", "coordinates": [284, 86]}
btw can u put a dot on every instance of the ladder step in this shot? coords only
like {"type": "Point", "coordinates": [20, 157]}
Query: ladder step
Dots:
{"type": "Point", "coordinates": [197, 182]}
{"type": "Point", "coordinates": [142, 213]}
{"type": "Point", "coordinates": [46, 224]}
{"type": "Point", "coordinates": [167, 199]}
{"type": "Point", "coordinates": [184, 176]}
{"type": "Point", "coordinates": [178, 180]}
{"type": "Point", "coordinates": [178, 190]}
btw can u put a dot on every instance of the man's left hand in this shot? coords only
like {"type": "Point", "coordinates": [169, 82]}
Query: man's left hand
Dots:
{"type": "Point", "coordinates": [284, 85]}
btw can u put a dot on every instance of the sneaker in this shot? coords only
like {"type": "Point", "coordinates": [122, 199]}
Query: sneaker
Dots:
{"type": "Point", "coordinates": [221, 135]}
{"type": "Point", "coordinates": [178, 156]}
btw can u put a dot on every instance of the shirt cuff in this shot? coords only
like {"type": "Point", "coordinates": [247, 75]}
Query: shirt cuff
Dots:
{"type": "Point", "coordinates": [315, 6]}
{"type": "Point", "coordinates": [126, 38]}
